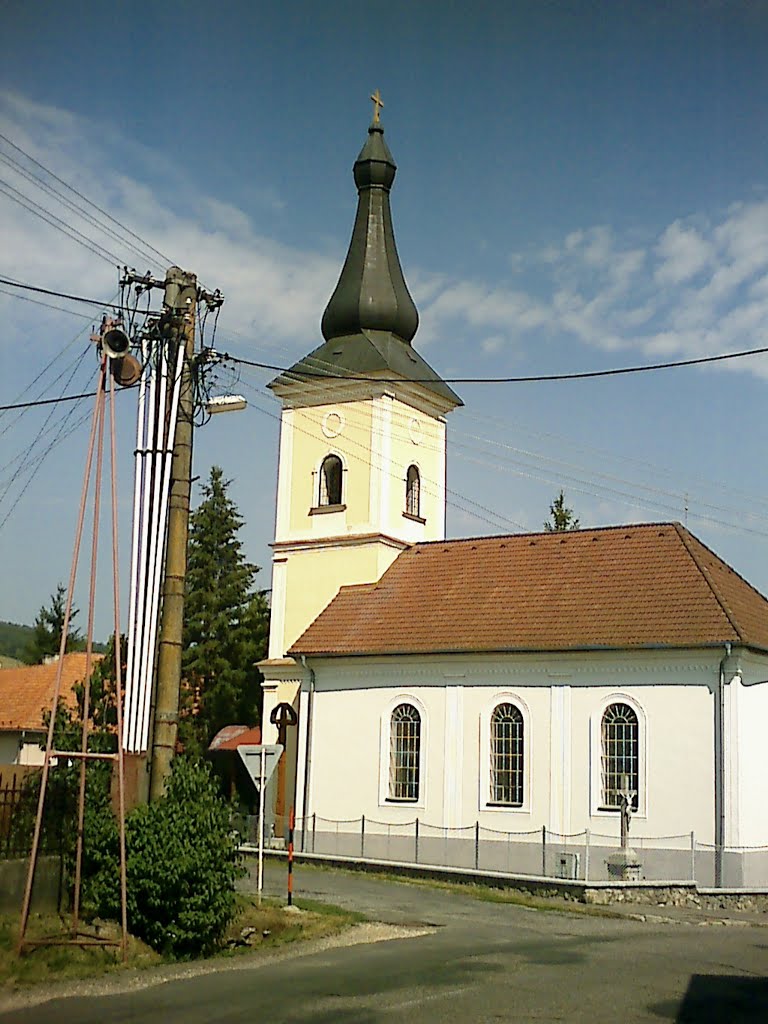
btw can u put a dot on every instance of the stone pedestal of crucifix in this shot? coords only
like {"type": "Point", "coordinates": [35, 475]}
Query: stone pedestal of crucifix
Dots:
{"type": "Point", "coordinates": [625, 865]}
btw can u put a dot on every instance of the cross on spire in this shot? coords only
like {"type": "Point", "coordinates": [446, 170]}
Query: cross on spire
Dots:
{"type": "Point", "coordinates": [377, 105]}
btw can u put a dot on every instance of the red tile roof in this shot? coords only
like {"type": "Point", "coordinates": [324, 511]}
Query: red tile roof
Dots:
{"type": "Point", "coordinates": [233, 736]}
{"type": "Point", "coordinates": [26, 692]}
{"type": "Point", "coordinates": [651, 585]}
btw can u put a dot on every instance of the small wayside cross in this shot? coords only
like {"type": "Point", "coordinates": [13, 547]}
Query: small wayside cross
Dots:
{"type": "Point", "coordinates": [282, 716]}
{"type": "Point", "coordinates": [627, 798]}
{"type": "Point", "coordinates": [377, 106]}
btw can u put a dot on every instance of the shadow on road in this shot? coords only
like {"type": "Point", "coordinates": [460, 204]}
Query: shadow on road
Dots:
{"type": "Point", "coordinates": [559, 951]}
{"type": "Point", "coordinates": [717, 998]}
{"type": "Point", "coordinates": [337, 1016]}
{"type": "Point", "coordinates": [400, 983]}
{"type": "Point", "coordinates": [340, 995]}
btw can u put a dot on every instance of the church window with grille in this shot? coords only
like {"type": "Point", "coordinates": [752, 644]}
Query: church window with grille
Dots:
{"type": "Point", "coordinates": [413, 492]}
{"type": "Point", "coordinates": [619, 762]}
{"type": "Point", "coordinates": [404, 753]}
{"type": "Point", "coordinates": [330, 481]}
{"type": "Point", "coordinates": [507, 739]}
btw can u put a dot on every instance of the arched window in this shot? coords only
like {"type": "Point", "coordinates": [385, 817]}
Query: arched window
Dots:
{"type": "Point", "coordinates": [404, 753]}
{"type": "Point", "coordinates": [507, 755]}
{"type": "Point", "coordinates": [413, 492]}
{"type": "Point", "coordinates": [619, 754]}
{"type": "Point", "coordinates": [330, 481]}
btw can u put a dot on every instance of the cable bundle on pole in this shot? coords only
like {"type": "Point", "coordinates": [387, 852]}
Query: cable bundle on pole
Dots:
{"type": "Point", "coordinates": [156, 434]}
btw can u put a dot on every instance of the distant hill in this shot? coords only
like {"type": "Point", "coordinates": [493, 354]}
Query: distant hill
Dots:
{"type": "Point", "coordinates": [15, 639]}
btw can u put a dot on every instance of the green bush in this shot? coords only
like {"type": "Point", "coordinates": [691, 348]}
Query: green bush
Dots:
{"type": "Point", "coordinates": [182, 864]}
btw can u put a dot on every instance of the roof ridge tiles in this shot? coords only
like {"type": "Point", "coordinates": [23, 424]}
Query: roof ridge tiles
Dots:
{"type": "Point", "coordinates": [728, 565]}
{"type": "Point", "coordinates": [490, 537]}
{"type": "Point", "coordinates": [661, 588]}
{"type": "Point", "coordinates": [688, 540]}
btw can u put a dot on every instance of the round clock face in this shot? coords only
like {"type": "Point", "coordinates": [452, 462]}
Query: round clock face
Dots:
{"type": "Point", "coordinates": [333, 423]}
{"type": "Point", "coordinates": [416, 431]}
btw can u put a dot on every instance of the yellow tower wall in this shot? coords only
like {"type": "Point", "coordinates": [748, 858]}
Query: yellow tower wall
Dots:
{"type": "Point", "coordinates": [319, 549]}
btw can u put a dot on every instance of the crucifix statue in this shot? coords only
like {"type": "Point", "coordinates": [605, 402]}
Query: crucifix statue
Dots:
{"type": "Point", "coordinates": [283, 716]}
{"type": "Point", "coordinates": [377, 106]}
{"type": "Point", "coordinates": [626, 796]}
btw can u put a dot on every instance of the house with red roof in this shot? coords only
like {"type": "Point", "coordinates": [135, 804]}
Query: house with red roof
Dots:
{"type": "Point", "coordinates": [26, 694]}
{"type": "Point", "coordinates": [508, 702]}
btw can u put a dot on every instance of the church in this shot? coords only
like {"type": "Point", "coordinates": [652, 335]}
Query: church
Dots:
{"type": "Point", "coordinates": [490, 702]}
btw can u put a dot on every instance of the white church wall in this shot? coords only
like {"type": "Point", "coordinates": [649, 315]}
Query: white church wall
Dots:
{"type": "Point", "coordinates": [752, 752]}
{"type": "Point", "coordinates": [676, 752]}
{"type": "Point", "coordinates": [350, 763]}
{"type": "Point", "coordinates": [483, 693]}
{"type": "Point", "coordinates": [354, 698]}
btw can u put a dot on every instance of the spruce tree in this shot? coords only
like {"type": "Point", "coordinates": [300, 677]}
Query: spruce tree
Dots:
{"type": "Point", "coordinates": [49, 624]}
{"type": "Point", "coordinates": [561, 517]}
{"type": "Point", "coordinates": [226, 623]}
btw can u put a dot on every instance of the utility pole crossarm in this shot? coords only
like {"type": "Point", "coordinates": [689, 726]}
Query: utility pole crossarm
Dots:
{"type": "Point", "coordinates": [212, 299]}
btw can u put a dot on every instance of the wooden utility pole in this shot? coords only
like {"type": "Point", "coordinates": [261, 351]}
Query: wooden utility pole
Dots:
{"type": "Point", "coordinates": [180, 300]}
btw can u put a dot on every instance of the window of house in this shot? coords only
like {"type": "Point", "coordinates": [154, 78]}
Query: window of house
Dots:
{"type": "Point", "coordinates": [507, 755]}
{"type": "Point", "coordinates": [413, 492]}
{"type": "Point", "coordinates": [404, 753]}
{"type": "Point", "coordinates": [619, 750]}
{"type": "Point", "coordinates": [330, 481]}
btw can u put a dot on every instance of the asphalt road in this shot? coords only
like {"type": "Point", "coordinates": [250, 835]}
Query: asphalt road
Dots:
{"type": "Point", "coordinates": [482, 963]}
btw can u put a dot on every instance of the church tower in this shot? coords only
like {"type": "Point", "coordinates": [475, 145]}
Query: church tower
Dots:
{"type": "Point", "coordinates": [362, 435]}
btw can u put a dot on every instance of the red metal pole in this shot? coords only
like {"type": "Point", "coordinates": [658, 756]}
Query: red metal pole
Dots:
{"type": "Point", "coordinates": [291, 823]}
{"type": "Point", "coordinates": [57, 686]}
{"type": "Point", "coordinates": [89, 649]}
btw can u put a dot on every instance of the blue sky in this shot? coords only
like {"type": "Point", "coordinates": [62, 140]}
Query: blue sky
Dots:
{"type": "Point", "coordinates": [581, 185]}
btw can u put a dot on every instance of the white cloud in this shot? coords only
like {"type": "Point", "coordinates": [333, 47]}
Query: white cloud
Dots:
{"type": "Point", "coordinates": [699, 286]}
{"type": "Point", "coordinates": [682, 253]}
{"type": "Point", "coordinates": [274, 293]}
{"type": "Point", "coordinates": [493, 343]}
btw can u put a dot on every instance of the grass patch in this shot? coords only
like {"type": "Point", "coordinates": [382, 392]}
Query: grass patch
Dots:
{"type": "Point", "coordinates": [255, 930]}
{"type": "Point", "coordinates": [45, 964]}
{"type": "Point", "coordinates": [271, 925]}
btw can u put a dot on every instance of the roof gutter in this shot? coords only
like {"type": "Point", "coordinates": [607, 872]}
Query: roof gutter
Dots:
{"type": "Point", "coordinates": [493, 651]}
{"type": "Point", "coordinates": [307, 751]}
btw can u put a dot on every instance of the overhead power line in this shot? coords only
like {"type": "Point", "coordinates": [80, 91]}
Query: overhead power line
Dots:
{"type": "Point", "coordinates": [454, 498]}
{"type": "Point", "coordinates": [46, 215]}
{"type": "Point", "coordinates": [38, 182]}
{"type": "Point", "coordinates": [45, 305]}
{"type": "Point", "coordinates": [132, 234]}
{"type": "Point", "coordinates": [586, 481]}
{"type": "Point", "coordinates": [299, 375]}
{"type": "Point", "coordinates": [47, 401]}
{"type": "Point", "coordinates": [330, 374]}
{"type": "Point", "coordinates": [63, 295]}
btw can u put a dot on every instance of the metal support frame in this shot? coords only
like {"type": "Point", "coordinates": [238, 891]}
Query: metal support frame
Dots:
{"type": "Point", "coordinates": [76, 936]}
